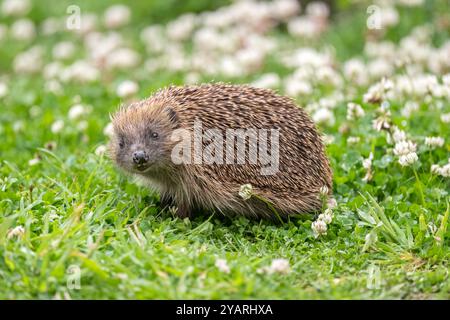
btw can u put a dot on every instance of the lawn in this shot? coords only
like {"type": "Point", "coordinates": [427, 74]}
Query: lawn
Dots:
{"type": "Point", "coordinates": [377, 83]}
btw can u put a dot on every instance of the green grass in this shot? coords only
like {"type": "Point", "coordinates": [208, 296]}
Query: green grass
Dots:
{"type": "Point", "coordinates": [78, 210]}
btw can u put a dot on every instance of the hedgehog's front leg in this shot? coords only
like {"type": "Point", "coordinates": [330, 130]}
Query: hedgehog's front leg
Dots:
{"type": "Point", "coordinates": [183, 211]}
{"type": "Point", "coordinates": [166, 201]}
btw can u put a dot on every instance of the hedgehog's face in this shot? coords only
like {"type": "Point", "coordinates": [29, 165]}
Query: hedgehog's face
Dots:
{"type": "Point", "coordinates": [140, 141]}
{"type": "Point", "coordinates": [138, 149]}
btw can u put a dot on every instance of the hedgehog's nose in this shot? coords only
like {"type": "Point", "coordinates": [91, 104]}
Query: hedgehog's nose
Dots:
{"type": "Point", "coordinates": [140, 157]}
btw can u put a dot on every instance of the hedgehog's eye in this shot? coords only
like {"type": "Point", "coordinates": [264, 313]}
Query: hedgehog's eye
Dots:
{"type": "Point", "coordinates": [121, 143]}
{"type": "Point", "coordinates": [154, 135]}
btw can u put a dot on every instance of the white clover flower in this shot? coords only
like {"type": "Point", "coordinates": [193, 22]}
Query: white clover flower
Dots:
{"type": "Point", "coordinates": [276, 266]}
{"type": "Point", "coordinates": [23, 29]}
{"type": "Point", "coordinates": [206, 39]}
{"type": "Point", "coordinates": [326, 216]}
{"type": "Point", "coordinates": [127, 89]}
{"type": "Point", "coordinates": [192, 78]}
{"type": "Point", "coordinates": [181, 28]}
{"type": "Point", "coordinates": [438, 90]}
{"type": "Point", "coordinates": [353, 140]}
{"type": "Point", "coordinates": [63, 50]}
{"type": "Point", "coordinates": [3, 89]}
{"type": "Point", "coordinates": [222, 265]}
{"type": "Point", "coordinates": [317, 9]}
{"type": "Point", "coordinates": [324, 116]}
{"type": "Point", "coordinates": [354, 111]}
{"type": "Point", "coordinates": [246, 191]}
{"type": "Point", "coordinates": [153, 37]}
{"type": "Point", "coordinates": [435, 168]}
{"type": "Point", "coordinates": [29, 61]}
{"type": "Point", "coordinates": [409, 108]}
{"type": "Point", "coordinates": [268, 81]}
{"type": "Point", "coordinates": [398, 135]}
{"type": "Point", "coordinates": [296, 87]}
{"type": "Point", "coordinates": [404, 148]}
{"type": "Point", "coordinates": [117, 16]}
{"type": "Point", "coordinates": [327, 75]}
{"type": "Point", "coordinates": [383, 122]}
{"type": "Point", "coordinates": [80, 71]}
{"type": "Point", "coordinates": [88, 25]}
{"type": "Point", "coordinates": [100, 150]}
{"type": "Point", "coordinates": [328, 139]}
{"type": "Point", "coordinates": [102, 45]}
{"type": "Point", "coordinates": [122, 58]}
{"type": "Point", "coordinates": [380, 49]}
{"type": "Point", "coordinates": [411, 3]}
{"type": "Point", "coordinates": [332, 203]}
{"type": "Point", "coordinates": [284, 9]}
{"type": "Point", "coordinates": [323, 191]}
{"type": "Point", "coordinates": [408, 159]}
{"type": "Point", "coordinates": [53, 70]}
{"type": "Point", "coordinates": [15, 8]}
{"type": "Point", "coordinates": [51, 26]}
{"type": "Point", "coordinates": [330, 102]}
{"type": "Point", "coordinates": [18, 231]}
{"type": "Point", "coordinates": [279, 266]}
{"type": "Point", "coordinates": [54, 87]}
{"type": "Point", "coordinates": [389, 16]}
{"type": "Point", "coordinates": [57, 126]}
{"type": "Point", "coordinates": [34, 161]}
{"type": "Point", "coordinates": [18, 126]}
{"type": "Point", "coordinates": [434, 142]}
{"type": "Point", "coordinates": [250, 58]}
{"type": "Point", "coordinates": [76, 112]}
{"type": "Point", "coordinates": [230, 67]}
{"type": "Point", "coordinates": [379, 68]}
{"type": "Point", "coordinates": [385, 105]}
{"type": "Point", "coordinates": [445, 118]}
{"type": "Point", "coordinates": [122, 276]}
{"type": "Point", "coordinates": [178, 61]}
{"type": "Point", "coordinates": [304, 27]}
{"type": "Point", "coordinates": [378, 91]}
{"type": "Point", "coordinates": [356, 71]}
{"type": "Point", "coordinates": [446, 79]}
{"type": "Point", "coordinates": [35, 111]}
{"type": "Point", "coordinates": [82, 125]}
{"type": "Point", "coordinates": [319, 227]}
{"type": "Point", "coordinates": [367, 163]}
{"type": "Point", "coordinates": [109, 130]}
{"type": "Point", "coordinates": [443, 171]}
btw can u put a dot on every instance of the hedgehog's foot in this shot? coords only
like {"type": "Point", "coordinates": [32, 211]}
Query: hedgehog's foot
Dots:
{"type": "Point", "coordinates": [183, 212]}
{"type": "Point", "coordinates": [166, 201]}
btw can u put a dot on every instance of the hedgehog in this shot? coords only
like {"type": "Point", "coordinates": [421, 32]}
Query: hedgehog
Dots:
{"type": "Point", "coordinates": [177, 142]}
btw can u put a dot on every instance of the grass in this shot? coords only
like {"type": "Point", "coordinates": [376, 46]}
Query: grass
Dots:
{"type": "Point", "coordinates": [77, 210]}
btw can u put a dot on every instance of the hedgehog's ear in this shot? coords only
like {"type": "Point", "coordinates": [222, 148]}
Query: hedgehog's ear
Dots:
{"type": "Point", "coordinates": [173, 117]}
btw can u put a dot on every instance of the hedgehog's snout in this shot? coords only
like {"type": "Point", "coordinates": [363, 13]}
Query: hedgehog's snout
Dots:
{"type": "Point", "coordinates": [140, 159]}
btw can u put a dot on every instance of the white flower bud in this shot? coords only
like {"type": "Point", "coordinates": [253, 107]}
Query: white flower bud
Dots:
{"type": "Point", "coordinates": [408, 159]}
{"type": "Point", "coordinates": [434, 142]}
{"type": "Point", "coordinates": [319, 227]}
{"type": "Point", "coordinates": [245, 191]}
